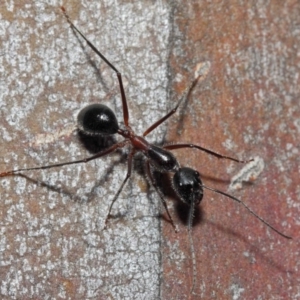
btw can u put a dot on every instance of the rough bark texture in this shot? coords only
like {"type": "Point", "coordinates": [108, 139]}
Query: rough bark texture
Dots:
{"type": "Point", "coordinates": [247, 106]}
{"type": "Point", "coordinates": [52, 241]}
{"type": "Point", "coordinates": [53, 244]}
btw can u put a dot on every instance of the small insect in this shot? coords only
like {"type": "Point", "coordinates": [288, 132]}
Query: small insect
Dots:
{"type": "Point", "coordinates": [100, 120]}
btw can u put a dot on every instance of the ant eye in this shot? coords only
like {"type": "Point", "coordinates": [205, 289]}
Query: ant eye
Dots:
{"type": "Point", "coordinates": [97, 119]}
{"type": "Point", "coordinates": [188, 185]}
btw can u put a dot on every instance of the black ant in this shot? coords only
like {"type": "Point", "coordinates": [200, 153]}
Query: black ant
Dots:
{"type": "Point", "coordinates": [98, 119]}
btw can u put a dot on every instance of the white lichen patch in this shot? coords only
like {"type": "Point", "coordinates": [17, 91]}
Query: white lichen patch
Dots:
{"type": "Point", "coordinates": [202, 69]}
{"type": "Point", "coordinates": [248, 173]}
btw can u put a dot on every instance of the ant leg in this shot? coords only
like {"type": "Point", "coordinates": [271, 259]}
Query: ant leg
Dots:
{"type": "Point", "coordinates": [249, 209]}
{"type": "Point", "coordinates": [179, 146]}
{"type": "Point", "coordinates": [85, 160]}
{"type": "Point", "coordinates": [130, 157]}
{"type": "Point", "coordinates": [173, 111]}
{"type": "Point", "coordinates": [161, 196]}
{"type": "Point", "coordinates": [124, 101]}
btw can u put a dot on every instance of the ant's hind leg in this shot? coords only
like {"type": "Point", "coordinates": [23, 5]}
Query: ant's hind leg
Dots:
{"type": "Point", "coordinates": [119, 75]}
{"type": "Point", "coordinates": [185, 94]}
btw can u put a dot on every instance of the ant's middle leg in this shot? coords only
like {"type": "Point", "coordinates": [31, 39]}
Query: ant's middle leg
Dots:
{"type": "Point", "coordinates": [129, 171]}
{"type": "Point", "coordinates": [211, 152]}
{"type": "Point", "coordinates": [84, 160]}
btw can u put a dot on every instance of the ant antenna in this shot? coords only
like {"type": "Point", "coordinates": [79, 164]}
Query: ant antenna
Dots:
{"type": "Point", "coordinates": [192, 248]}
{"type": "Point", "coordinates": [190, 228]}
{"type": "Point", "coordinates": [249, 209]}
{"type": "Point", "coordinates": [189, 188]}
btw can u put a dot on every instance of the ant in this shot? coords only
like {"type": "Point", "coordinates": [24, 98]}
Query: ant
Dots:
{"type": "Point", "coordinates": [100, 120]}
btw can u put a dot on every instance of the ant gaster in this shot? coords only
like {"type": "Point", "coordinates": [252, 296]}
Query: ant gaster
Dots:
{"type": "Point", "coordinates": [98, 119]}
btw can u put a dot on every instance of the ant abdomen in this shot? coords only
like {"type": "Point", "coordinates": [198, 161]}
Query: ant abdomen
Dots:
{"type": "Point", "coordinates": [97, 119]}
{"type": "Point", "coordinates": [188, 186]}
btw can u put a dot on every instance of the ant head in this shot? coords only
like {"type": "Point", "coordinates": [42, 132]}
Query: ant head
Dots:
{"type": "Point", "coordinates": [97, 119]}
{"type": "Point", "coordinates": [188, 185]}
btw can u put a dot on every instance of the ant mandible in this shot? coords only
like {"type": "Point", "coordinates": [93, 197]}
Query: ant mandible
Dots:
{"type": "Point", "coordinates": [98, 119]}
